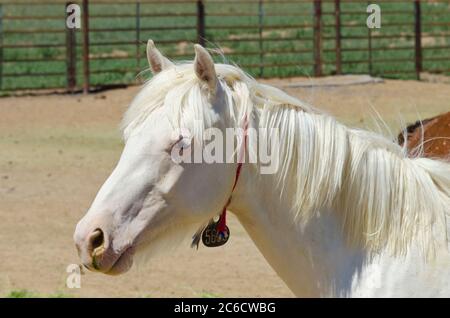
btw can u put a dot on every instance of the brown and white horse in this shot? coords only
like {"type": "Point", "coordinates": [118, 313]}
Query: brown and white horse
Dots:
{"type": "Point", "coordinates": [428, 138]}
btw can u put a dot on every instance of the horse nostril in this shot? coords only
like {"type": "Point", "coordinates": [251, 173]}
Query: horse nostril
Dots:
{"type": "Point", "coordinates": [96, 239]}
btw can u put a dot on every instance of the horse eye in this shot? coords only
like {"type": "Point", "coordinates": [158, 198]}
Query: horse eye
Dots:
{"type": "Point", "coordinates": [183, 142]}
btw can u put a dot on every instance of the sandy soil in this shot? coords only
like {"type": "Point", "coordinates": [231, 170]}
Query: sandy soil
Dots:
{"type": "Point", "coordinates": [56, 151]}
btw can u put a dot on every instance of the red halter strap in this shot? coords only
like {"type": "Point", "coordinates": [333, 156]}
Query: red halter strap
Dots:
{"type": "Point", "coordinates": [221, 224]}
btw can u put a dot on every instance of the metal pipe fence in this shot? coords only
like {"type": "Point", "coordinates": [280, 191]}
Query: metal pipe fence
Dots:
{"type": "Point", "coordinates": [266, 38]}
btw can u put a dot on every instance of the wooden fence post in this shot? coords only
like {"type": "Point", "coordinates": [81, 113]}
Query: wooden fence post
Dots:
{"type": "Point", "coordinates": [260, 29]}
{"type": "Point", "coordinates": [138, 35]}
{"type": "Point", "coordinates": [70, 56]}
{"type": "Point", "coordinates": [200, 23]}
{"type": "Point", "coordinates": [337, 12]}
{"type": "Point", "coordinates": [418, 37]}
{"type": "Point", "coordinates": [317, 37]}
{"type": "Point", "coordinates": [86, 85]}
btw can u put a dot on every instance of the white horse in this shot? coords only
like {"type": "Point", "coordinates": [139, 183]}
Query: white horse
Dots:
{"type": "Point", "coordinates": [346, 214]}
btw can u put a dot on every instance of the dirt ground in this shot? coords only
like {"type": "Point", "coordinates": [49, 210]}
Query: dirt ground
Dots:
{"type": "Point", "coordinates": [56, 151]}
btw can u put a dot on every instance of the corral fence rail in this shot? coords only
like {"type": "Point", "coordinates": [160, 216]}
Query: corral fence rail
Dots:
{"type": "Point", "coordinates": [266, 38]}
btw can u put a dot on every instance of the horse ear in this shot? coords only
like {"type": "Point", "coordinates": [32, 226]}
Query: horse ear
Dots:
{"type": "Point", "coordinates": [156, 60]}
{"type": "Point", "coordinates": [204, 67]}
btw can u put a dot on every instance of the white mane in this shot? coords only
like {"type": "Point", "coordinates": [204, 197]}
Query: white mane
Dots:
{"type": "Point", "coordinates": [386, 199]}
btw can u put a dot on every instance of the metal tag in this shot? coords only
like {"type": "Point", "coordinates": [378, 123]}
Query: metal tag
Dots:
{"type": "Point", "coordinates": [212, 238]}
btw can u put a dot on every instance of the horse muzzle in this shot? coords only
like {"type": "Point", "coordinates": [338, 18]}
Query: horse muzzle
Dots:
{"type": "Point", "coordinates": [98, 255]}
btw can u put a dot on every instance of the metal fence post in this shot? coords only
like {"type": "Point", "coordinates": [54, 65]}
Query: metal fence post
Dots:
{"type": "Point", "coordinates": [86, 47]}
{"type": "Point", "coordinates": [369, 47]}
{"type": "Point", "coordinates": [260, 29]}
{"type": "Point", "coordinates": [70, 56]}
{"type": "Point", "coordinates": [418, 38]}
{"type": "Point", "coordinates": [200, 23]}
{"type": "Point", "coordinates": [317, 37]}
{"type": "Point", "coordinates": [1, 46]}
{"type": "Point", "coordinates": [337, 12]}
{"type": "Point", "coordinates": [138, 35]}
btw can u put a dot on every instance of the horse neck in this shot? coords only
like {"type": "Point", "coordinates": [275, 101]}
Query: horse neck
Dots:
{"type": "Point", "coordinates": [313, 260]}
{"type": "Point", "coordinates": [313, 257]}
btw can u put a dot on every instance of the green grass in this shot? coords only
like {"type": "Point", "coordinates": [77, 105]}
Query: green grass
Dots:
{"type": "Point", "coordinates": [206, 294]}
{"type": "Point", "coordinates": [230, 39]}
{"type": "Point", "coordinates": [24, 293]}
